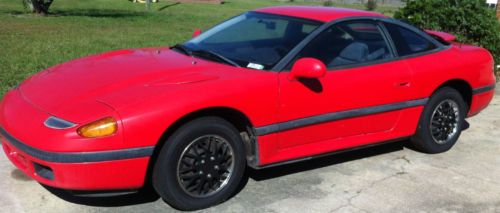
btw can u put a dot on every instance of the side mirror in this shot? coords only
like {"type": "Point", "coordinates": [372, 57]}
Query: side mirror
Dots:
{"type": "Point", "coordinates": [307, 68]}
{"type": "Point", "coordinates": [197, 32]}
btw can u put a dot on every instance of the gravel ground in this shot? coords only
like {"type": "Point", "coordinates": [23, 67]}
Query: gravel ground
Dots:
{"type": "Point", "coordinates": [387, 178]}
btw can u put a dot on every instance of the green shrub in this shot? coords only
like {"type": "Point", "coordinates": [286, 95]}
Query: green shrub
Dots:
{"type": "Point", "coordinates": [371, 5]}
{"type": "Point", "coordinates": [37, 6]}
{"type": "Point", "coordinates": [328, 3]}
{"type": "Point", "coordinates": [28, 6]}
{"type": "Point", "coordinates": [470, 20]}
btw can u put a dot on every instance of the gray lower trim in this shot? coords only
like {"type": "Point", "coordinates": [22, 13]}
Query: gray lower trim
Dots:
{"type": "Point", "coordinates": [78, 157]}
{"type": "Point", "coordinates": [264, 130]}
{"type": "Point", "coordinates": [483, 89]}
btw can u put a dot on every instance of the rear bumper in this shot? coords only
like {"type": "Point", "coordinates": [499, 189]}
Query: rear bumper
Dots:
{"type": "Point", "coordinates": [481, 97]}
{"type": "Point", "coordinates": [103, 170]}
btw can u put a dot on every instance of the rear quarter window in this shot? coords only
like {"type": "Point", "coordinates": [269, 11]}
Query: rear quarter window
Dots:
{"type": "Point", "coordinates": [408, 42]}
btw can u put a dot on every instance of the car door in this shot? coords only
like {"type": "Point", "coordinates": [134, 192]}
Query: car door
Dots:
{"type": "Point", "coordinates": [360, 93]}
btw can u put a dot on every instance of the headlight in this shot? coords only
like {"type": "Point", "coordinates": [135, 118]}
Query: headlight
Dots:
{"type": "Point", "coordinates": [100, 128]}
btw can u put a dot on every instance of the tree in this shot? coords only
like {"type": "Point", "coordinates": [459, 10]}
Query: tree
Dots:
{"type": "Point", "coordinates": [371, 5]}
{"type": "Point", "coordinates": [38, 6]}
{"type": "Point", "coordinates": [498, 9]}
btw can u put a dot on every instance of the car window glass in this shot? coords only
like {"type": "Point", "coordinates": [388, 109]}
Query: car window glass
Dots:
{"type": "Point", "coordinates": [308, 28]}
{"type": "Point", "coordinates": [408, 42]}
{"type": "Point", "coordinates": [254, 40]}
{"type": "Point", "coordinates": [348, 43]}
{"type": "Point", "coordinates": [253, 28]}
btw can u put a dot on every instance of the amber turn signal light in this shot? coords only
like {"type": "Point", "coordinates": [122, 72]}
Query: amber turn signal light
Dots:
{"type": "Point", "coordinates": [100, 128]}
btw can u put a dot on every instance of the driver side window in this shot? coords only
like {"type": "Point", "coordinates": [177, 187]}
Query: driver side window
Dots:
{"type": "Point", "coordinates": [348, 43]}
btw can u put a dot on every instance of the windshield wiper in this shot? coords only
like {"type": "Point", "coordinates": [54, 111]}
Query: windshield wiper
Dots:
{"type": "Point", "coordinates": [183, 49]}
{"type": "Point", "coordinates": [217, 56]}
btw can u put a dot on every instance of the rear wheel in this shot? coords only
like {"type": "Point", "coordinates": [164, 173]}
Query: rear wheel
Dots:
{"type": "Point", "coordinates": [441, 122]}
{"type": "Point", "coordinates": [200, 165]}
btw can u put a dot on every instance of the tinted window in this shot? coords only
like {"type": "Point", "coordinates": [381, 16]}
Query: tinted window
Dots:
{"type": "Point", "coordinates": [408, 42]}
{"type": "Point", "coordinates": [249, 29]}
{"type": "Point", "coordinates": [348, 43]}
{"type": "Point", "coordinates": [254, 40]}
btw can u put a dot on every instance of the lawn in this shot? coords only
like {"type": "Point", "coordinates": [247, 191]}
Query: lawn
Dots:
{"type": "Point", "coordinates": [29, 43]}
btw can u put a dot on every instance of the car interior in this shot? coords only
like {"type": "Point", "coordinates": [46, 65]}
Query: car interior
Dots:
{"type": "Point", "coordinates": [348, 43]}
{"type": "Point", "coordinates": [274, 42]}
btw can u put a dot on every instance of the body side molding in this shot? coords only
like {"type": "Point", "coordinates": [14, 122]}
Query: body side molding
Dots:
{"type": "Point", "coordinates": [483, 89]}
{"type": "Point", "coordinates": [293, 124]}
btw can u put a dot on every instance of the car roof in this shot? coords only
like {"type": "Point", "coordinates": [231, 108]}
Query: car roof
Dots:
{"type": "Point", "coordinates": [318, 13]}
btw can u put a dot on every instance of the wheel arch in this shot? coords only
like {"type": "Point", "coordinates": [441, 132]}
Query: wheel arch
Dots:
{"type": "Point", "coordinates": [237, 118]}
{"type": "Point", "coordinates": [462, 86]}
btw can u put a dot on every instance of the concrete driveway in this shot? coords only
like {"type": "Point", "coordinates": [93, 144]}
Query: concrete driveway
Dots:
{"type": "Point", "coordinates": [387, 178]}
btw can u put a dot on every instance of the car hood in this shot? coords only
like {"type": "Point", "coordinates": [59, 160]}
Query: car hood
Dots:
{"type": "Point", "coordinates": [85, 82]}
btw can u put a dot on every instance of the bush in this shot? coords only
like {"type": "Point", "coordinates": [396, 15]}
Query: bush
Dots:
{"type": "Point", "coordinates": [470, 20]}
{"type": "Point", "coordinates": [371, 5]}
{"type": "Point", "coordinates": [328, 3]}
{"type": "Point", "coordinates": [37, 6]}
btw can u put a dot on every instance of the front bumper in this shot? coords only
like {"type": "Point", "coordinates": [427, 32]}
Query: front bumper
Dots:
{"type": "Point", "coordinates": [107, 170]}
{"type": "Point", "coordinates": [62, 159]}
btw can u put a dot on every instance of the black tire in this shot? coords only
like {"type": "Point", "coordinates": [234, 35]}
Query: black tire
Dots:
{"type": "Point", "coordinates": [423, 140]}
{"type": "Point", "coordinates": [169, 185]}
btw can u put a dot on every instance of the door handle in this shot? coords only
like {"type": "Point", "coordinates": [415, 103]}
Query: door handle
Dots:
{"type": "Point", "coordinates": [403, 84]}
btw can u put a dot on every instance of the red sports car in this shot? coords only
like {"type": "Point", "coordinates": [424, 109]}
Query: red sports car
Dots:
{"type": "Point", "coordinates": [271, 86]}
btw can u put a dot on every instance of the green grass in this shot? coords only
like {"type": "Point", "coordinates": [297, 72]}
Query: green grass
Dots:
{"type": "Point", "coordinates": [76, 28]}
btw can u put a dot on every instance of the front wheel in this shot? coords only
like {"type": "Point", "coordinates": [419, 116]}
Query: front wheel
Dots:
{"type": "Point", "coordinates": [200, 165]}
{"type": "Point", "coordinates": [441, 122]}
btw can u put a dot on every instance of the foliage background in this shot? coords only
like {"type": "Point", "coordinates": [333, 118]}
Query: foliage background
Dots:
{"type": "Point", "coordinates": [470, 20]}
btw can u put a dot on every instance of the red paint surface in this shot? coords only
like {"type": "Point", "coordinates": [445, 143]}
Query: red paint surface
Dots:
{"type": "Point", "coordinates": [324, 14]}
{"type": "Point", "coordinates": [120, 174]}
{"type": "Point", "coordinates": [445, 36]}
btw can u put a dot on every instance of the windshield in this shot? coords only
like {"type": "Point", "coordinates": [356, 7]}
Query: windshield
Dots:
{"type": "Point", "coordinates": [253, 40]}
